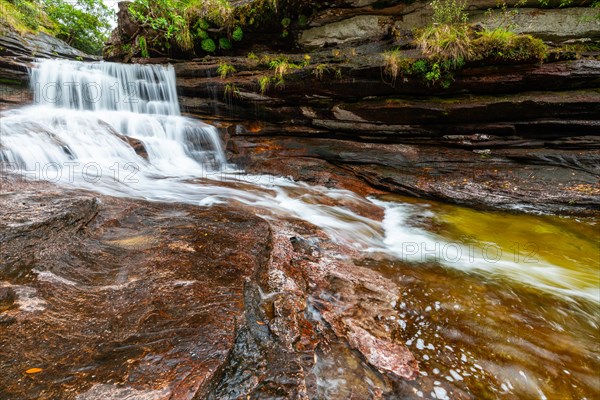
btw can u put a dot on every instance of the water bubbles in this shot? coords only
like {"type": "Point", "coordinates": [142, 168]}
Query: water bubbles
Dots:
{"type": "Point", "coordinates": [440, 393]}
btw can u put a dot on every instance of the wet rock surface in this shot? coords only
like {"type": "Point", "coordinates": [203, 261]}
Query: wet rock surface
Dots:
{"type": "Point", "coordinates": [538, 179]}
{"type": "Point", "coordinates": [119, 296]}
{"type": "Point", "coordinates": [499, 136]}
{"type": "Point", "coordinates": [115, 298]}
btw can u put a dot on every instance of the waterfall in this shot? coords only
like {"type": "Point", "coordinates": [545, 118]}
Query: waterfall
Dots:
{"type": "Point", "coordinates": [101, 113]}
{"type": "Point", "coordinates": [145, 89]}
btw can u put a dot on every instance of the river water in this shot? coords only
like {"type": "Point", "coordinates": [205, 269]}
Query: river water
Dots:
{"type": "Point", "coordinates": [495, 305]}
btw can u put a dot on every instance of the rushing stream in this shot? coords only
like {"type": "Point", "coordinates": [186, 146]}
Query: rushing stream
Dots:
{"type": "Point", "coordinates": [496, 304]}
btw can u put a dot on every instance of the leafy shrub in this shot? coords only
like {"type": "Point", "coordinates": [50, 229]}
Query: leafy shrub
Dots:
{"type": "Point", "coordinates": [430, 71]}
{"type": "Point", "coordinates": [224, 44]}
{"type": "Point", "coordinates": [179, 22]}
{"type": "Point", "coordinates": [163, 22]}
{"type": "Point", "coordinates": [302, 20]}
{"type": "Point", "coordinates": [143, 46]}
{"type": "Point", "coordinates": [201, 34]}
{"type": "Point", "coordinates": [419, 67]}
{"type": "Point", "coordinates": [202, 24]}
{"type": "Point", "coordinates": [208, 45]}
{"type": "Point", "coordinates": [448, 43]}
{"type": "Point", "coordinates": [25, 12]}
{"type": "Point", "coordinates": [237, 34]}
{"type": "Point", "coordinates": [84, 24]}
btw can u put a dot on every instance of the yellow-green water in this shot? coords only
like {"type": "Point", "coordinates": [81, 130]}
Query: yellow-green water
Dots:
{"type": "Point", "coordinates": [558, 253]}
{"type": "Point", "coordinates": [526, 327]}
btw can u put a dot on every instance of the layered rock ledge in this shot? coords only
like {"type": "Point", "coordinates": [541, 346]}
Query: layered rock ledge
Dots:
{"type": "Point", "coordinates": [524, 136]}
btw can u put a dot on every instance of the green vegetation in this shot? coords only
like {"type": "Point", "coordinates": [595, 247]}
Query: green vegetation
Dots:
{"type": "Point", "coordinates": [449, 43]}
{"type": "Point", "coordinates": [237, 34]}
{"type": "Point", "coordinates": [596, 4]}
{"type": "Point", "coordinates": [432, 71]}
{"type": "Point", "coordinates": [23, 16]}
{"type": "Point", "coordinates": [184, 27]}
{"type": "Point", "coordinates": [447, 40]}
{"type": "Point", "coordinates": [224, 44]}
{"type": "Point", "coordinates": [449, 12]}
{"type": "Point", "coordinates": [208, 45]}
{"type": "Point", "coordinates": [9, 81]}
{"type": "Point", "coordinates": [394, 64]}
{"type": "Point", "coordinates": [320, 70]}
{"type": "Point", "coordinates": [446, 43]}
{"type": "Point", "coordinates": [224, 70]}
{"type": "Point", "coordinates": [231, 91]}
{"type": "Point", "coordinates": [143, 46]}
{"type": "Point", "coordinates": [281, 66]}
{"type": "Point", "coordinates": [264, 82]}
{"type": "Point", "coordinates": [188, 25]}
{"type": "Point", "coordinates": [285, 23]}
{"type": "Point", "coordinates": [83, 24]}
{"type": "Point", "coordinates": [162, 23]}
{"type": "Point", "coordinates": [500, 45]}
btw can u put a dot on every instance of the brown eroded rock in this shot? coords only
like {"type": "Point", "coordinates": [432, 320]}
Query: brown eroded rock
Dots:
{"type": "Point", "coordinates": [118, 298]}
{"type": "Point", "coordinates": [383, 355]}
{"type": "Point", "coordinates": [314, 317]}
{"type": "Point", "coordinates": [115, 298]}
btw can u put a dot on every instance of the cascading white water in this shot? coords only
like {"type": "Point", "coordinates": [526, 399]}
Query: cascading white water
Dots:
{"type": "Point", "coordinates": [103, 86]}
{"type": "Point", "coordinates": [85, 112]}
{"type": "Point", "coordinates": [79, 132]}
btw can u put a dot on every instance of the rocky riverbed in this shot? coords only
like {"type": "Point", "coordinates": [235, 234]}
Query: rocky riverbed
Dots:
{"type": "Point", "coordinates": [116, 297]}
{"type": "Point", "coordinates": [113, 297]}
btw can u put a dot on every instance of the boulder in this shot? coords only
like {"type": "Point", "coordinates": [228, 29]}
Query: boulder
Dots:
{"type": "Point", "coordinates": [357, 29]}
{"type": "Point", "coordinates": [118, 298]}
